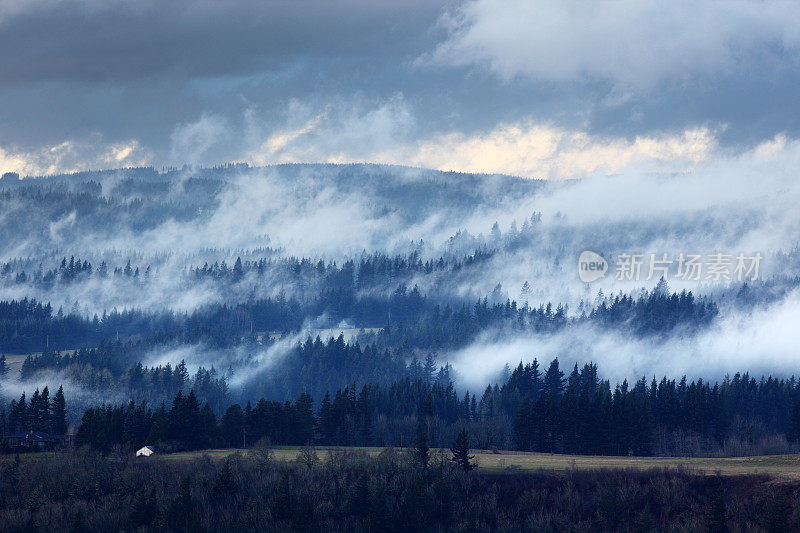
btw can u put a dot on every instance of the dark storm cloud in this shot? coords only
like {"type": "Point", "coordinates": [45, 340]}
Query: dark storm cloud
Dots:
{"type": "Point", "coordinates": [661, 64]}
{"type": "Point", "coordinates": [169, 82]}
{"type": "Point", "coordinates": [109, 71]}
{"type": "Point", "coordinates": [115, 40]}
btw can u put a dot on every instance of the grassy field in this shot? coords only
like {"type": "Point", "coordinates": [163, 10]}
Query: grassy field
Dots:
{"type": "Point", "coordinates": [784, 466]}
{"type": "Point", "coordinates": [780, 466]}
{"type": "Point", "coordinates": [14, 362]}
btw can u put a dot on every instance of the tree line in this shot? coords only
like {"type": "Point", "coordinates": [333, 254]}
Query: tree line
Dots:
{"type": "Point", "coordinates": [40, 413]}
{"type": "Point", "coordinates": [408, 317]}
{"type": "Point", "coordinates": [532, 411]}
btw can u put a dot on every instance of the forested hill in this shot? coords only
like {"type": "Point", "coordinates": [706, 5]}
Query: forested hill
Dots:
{"type": "Point", "coordinates": [105, 355]}
{"type": "Point", "coordinates": [105, 203]}
{"type": "Point", "coordinates": [269, 282]}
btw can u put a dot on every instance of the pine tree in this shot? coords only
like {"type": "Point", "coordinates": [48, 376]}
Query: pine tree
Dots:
{"type": "Point", "coordinates": [460, 451]}
{"type": "Point", "coordinates": [364, 412]}
{"type": "Point", "coordinates": [181, 373]}
{"type": "Point", "coordinates": [523, 425]}
{"type": "Point", "coordinates": [18, 415]}
{"type": "Point", "coordinates": [28, 368]}
{"type": "Point", "coordinates": [208, 425]}
{"type": "Point", "coordinates": [43, 411]}
{"type": "Point", "coordinates": [422, 450]}
{"type": "Point", "coordinates": [185, 415]}
{"type": "Point", "coordinates": [525, 293]}
{"type": "Point", "coordinates": [225, 483]}
{"type": "Point", "coordinates": [34, 415]}
{"type": "Point", "coordinates": [232, 425]}
{"type": "Point", "coordinates": [3, 366]}
{"type": "Point", "coordinates": [327, 424]}
{"type": "Point", "coordinates": [304, 421]}
{"type": "Point", "coordinates": [176, 417]}
{"type": "Point", "coordinates": [473, 409]}
{"type": "Point", "coordinates": [238, 271]}
{"type": "Point", "coordinates": [554, 378]}
{"type": "Point", "coordinates": [794, 422]}
{"type": "Point", "coordinates": [414, 368]}
{"type": "Point", "coordinates": [426, 407]}
{"type": "Point", "coordinates": [505, 375]}
{"type": "Point", "coordinates": [429, 369]}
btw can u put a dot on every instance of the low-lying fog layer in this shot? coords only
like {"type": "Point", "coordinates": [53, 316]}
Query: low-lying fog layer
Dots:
{"type": "Point", "coordinates": [514, 239]}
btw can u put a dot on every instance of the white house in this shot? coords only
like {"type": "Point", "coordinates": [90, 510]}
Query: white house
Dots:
{"type": "Point", "coordinates": [147, 451]}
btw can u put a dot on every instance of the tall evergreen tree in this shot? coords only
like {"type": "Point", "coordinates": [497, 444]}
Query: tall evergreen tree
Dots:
{"type": "Point", "coordinates": [303, 420]}
{"type": "Point", "coordinates": [327, 424]}
{"type": "Point", "coordinates": [34, 414]}
{"type": "Point", "coordinates": [18, 415]}
{"type": "Point", "coordinates": [460, 451]}
{"type": "Point", "coordinates": [794, 422]}
{"type": "Point", "coordinates": [43, 411]}
{"type": "Point", "coordinates": [554, 378]}
{"type": "Point", "coordinates": [428, 369]}
{"type": "Point", "coordinates": [232, 425]}
{"type": "Point", "coordinates": [523, 425]}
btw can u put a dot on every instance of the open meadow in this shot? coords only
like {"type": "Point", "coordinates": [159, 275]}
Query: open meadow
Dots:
{"type": "Point", "coordinates": [782, 466]}
{"type": "Point", "coordinates": [14, 362]}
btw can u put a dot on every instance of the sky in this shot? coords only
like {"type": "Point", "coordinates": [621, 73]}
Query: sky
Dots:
{"type": "Point", "coordinates": [551, 89]}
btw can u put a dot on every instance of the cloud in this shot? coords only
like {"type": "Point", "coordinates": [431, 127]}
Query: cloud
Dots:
{"type": "Point", "coordinates": [381, 131]}
{"type": "Point", "coordinates": [147, 70]}
{"type": "Point", "coordinates": [12, 162]}
{"type": "Point", "coordinates": [112, 40]}
{"type": "Point", "coordinates": [347, 131]}
{"type": "Point", "coordinates": [732, 201]}
{"type": "Point", "coordinates": [278, 141]}
{"type": "Point", "coordinates": [764, 340]}
{"type": "Point", "coordinates": [74, 155]}
{"type": "Point", "coordinates": [387, 132]}
{"type": "Point", "coordinates": [191, 143]}
{"type": "Point", "coordinates": [631, 43]}
{"type": "Point", "coordinates": [544, 151]}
